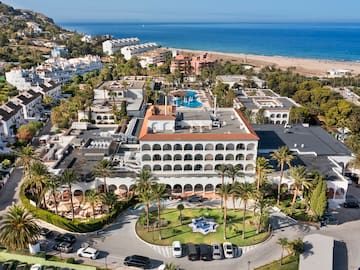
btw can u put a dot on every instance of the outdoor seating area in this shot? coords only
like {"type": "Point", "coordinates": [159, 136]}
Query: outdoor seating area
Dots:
{"type": "Point", "coordinates": [203, 225]}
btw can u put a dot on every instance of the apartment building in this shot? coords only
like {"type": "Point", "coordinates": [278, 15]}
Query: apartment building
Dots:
{"type": "Point", "coordinates": [112, 46]}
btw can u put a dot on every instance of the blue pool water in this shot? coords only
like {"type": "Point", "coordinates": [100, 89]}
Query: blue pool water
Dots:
{"type": "Point", "coordinates": [189, 101]}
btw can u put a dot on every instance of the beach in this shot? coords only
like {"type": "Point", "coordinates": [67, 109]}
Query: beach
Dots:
{"type": "Point", "coordinates": [309, 67]}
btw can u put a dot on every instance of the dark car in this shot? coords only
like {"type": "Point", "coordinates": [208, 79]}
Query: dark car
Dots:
{"type": "Point", "coordinates": [195, 198]}
{"type": "Point", "coordinates": [205, 252]}
{"type": "Point", "coordinates": [45, 232]}
{"type": "Point", "coordinates": [351, 204]}
{"type": "Point", "coordinates": [193, 252]}
{"type": "Point", "coordinates": [8, 265]}
{"type": "Point", "coordinates": [67, 237]}
{"type": "Point", "coordinates": [65, 247]}
{"type": "Point", "coordinates": [49, 268]}
{"type": "Point", "coordinates": [137, 261]}
{"type": "Point", "coordinates": [328, 219]}
{"type": "Point", "coordinates": [22, 266]}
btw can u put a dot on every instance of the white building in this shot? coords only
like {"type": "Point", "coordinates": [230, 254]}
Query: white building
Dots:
{"type": "Point", "coordinates": [184, 147]}
{"type": "Point", "coordinates": [112, 46]}
{"type": "Point", "coordinates": [31, 103]}
{"type": "Point", "coordinates": [276, 108]}
{"type": "Point", "coordinates": [22, 79]}
{"type": "Point", "coordinates": [339, 72]}
{"type": "Point", "coordinates": [239, 79]}
{"type": "Point", "coordinates": [11, 115]}
{"type": "Point", "coordinates": [135, 50]}
{"type": "Point", "coordinates": [155, 58]}
{"type": "Point", "coordinates": [50, 89]}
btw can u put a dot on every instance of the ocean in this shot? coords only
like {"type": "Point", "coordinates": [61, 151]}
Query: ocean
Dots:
{"type": "Point", "coordinates": [332, 41]}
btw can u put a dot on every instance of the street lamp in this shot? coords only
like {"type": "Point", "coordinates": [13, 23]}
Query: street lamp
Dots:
{"type": "Point", "coordinates": [249, 265]}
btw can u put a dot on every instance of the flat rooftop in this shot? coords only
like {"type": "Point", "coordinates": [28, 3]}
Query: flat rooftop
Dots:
{"type": "Point", "coordinates": [304, 140]}
{"type": "Point", "coordinates": [274, 103]}
{"type": "Point", "coordinates": [119, 85]}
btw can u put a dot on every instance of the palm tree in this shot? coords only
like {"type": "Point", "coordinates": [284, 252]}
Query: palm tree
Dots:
{"type": "Point", "coordinates": [224, 192]}
{"type": "Point", "coordinates": [282, 156]}
{"type": "Point", "coordinates": [145, 197]}
{"type": "Point", "coordinates": [233, 172]}
{"type": "Point", "coordinates": [109, 199]}
{"type": "Point", "coordinates": [159, 191]}
{"type": "Point", "coordinates": [18, 228]}
{"type": "Point", "coordinates": [69, 177]}
{"type": "Point", "coordinates": [284, 243]}
{"type": "Point", "coordinates": [170, 266]}
{"type": "Point", "coordinates": [180, 207]}
{"type": "Point", "coordinates": [301, 181]}
{"type": "Point", "coordinates": [262, 204]}
{"type": "Point", "coordinates": [221, 170]}
{"type": "Point", "coordinates": [245, 191]}
{"type": "Point", "coordinates": [92, 197]}
{"type": "Point", "coordinates": [144, 180]}
{"type": "Point", "coordinates": [26, 157]}
{"type": "Point", "coordinates": [52, 184]}
{"type": "Point", "coordinates": [103, 169]}
{"type": "Point", "coordinates": [39, 176]}
{"type": "Point", "coordinates": [263, 167]}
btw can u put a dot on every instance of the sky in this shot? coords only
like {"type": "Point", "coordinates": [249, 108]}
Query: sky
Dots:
{"type": "Point", "coordinates": [195, 10]}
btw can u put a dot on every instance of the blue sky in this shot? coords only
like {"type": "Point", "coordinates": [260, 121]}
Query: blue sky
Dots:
{"type": "Point", "coordinates": [195, 10]}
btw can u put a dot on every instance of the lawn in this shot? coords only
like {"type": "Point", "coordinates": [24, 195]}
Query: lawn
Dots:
{"type": "Point", "coordinates": [289, 263]}
{"type": "Point", "coordinates": [183, 233]}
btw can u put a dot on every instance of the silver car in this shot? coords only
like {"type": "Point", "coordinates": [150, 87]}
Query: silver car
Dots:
{"type": "Point", "coordinates": [217, 251]}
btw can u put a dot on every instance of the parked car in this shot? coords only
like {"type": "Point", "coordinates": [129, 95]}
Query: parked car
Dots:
{"type": "Point", "coordinates": [228, 250]}
{"type": "Point", "coordinates": [45, 232]}
{"type": "Point", "coordinates": [217, 251]}
{"type": "Point", "coordinates": [328, 219]}
{"type": "Point", "coordinates": [65, 247]}
{"type": "Point", "coordinates": [67, 237]}
{"type": "Point", "coordinates": [8, 265]}
{"type": "Point", "coordinates": [351, 204]}
{"type": "Point", "coordinates": [88, 252]}
{"type": "Point", "coordinates": [176, 249]}
{"type": "Point", "coordinates": [36, 267]}
{"type": "Point", "coordinates": [193, 252]}
{"type": "Point", "coordinates": [205, 252]}
{"type": "Point", "coordinates": [195, 198]}
{"type": "Point", "coordinates": [137, 261]}
{"type": "Point", "coordinates": [49, 267]}
{"type": "Point", "coordinates": [22, 266]}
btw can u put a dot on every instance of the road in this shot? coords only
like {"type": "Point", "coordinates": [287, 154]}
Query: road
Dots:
{"type": "Point", "coordinates": [9, 193]}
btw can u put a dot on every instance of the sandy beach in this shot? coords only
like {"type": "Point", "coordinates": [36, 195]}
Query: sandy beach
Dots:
{"type": "Point", "coordinates": [312, 67]}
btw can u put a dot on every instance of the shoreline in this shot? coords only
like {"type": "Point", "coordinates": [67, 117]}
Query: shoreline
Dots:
{"type": "Point", "coordinates": [306, 66]}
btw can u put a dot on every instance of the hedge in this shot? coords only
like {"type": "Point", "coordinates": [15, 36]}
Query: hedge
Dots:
{"type": "Point", "coordinates": [76, 225]}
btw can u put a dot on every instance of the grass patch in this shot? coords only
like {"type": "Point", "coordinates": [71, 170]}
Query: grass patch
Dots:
{"type": "Point", "coordinates": [183, 233]}
{"type": "Point", "coordinates": [290, 262]}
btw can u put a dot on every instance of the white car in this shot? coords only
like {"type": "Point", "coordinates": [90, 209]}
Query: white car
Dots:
{"type": "Point", "coordinates": [36, 267]}
{"type": "Point", "coordinates": [88, 252]}
{"type": "Point", "coordinates": [176, 249]}
{"type": "Point", "coordinates": [228, 250]}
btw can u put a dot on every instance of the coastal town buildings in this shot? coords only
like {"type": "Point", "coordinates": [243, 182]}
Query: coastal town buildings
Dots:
{"type": "Point", "coordinates": [191, 65]}
{"type": "Point", "coordinates": [241, 80]}
{"type": "Point", "coordinates": [180, 63]}
{"type": "Point", "coordinates": [114, 45]}
{"type": "Point", "coordinates": [108, 98]}
{"type": "Point", "coordinates": [198, 62]}
{"type": "Point", "coordinates": [275, 109]}
{"type": "Point", "coordinates": [154, 58]}
{"type": "Point", "coordinates": [135, 50]}
{"type": "Point", "coordinates": [56, 69]}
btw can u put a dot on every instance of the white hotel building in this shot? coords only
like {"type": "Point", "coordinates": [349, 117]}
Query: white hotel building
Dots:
{"type": "Point", "coordinates": [184, 147]}
{"type": "Point", "coordinates": [112, 46]}
{"type": "Point", "coordinates": [130, 51]}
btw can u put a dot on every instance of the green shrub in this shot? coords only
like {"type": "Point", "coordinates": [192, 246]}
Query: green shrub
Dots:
{"type": "Point", "coordinates": [70, 260]}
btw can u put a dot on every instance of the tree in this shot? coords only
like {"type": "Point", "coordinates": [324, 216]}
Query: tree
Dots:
{"type": "Point", "coordinates": [282, 156]}
{"type": "Point", "coordinates": [52, 184]}
{"type": "Point", "coordinates": [180, 207]}
{"type": "Point", "coordinates": [260, 117]}
{"type": "Point", "coordinates": [262, 204]}
{"type": "Point", "coordinates": [284, 243]}
{"type": "Point", "coordinates": [103, 169]}
{"type": "Point", "coordinates": [18, 228]}
{"type": "Point", "coordinates": [109, 199]}
{"type": "Point", "coordinates": [92, 197]}
{"type": "Point", "coordinates": [26, 157]}
{"type": "Point", "coordinates": [263, 167]}
{"type": "Point", "coordinates": [318, 203]}
{"type": "Point", "coordinates": [355, 164]}
{"type": "Point", "coordinates": [39, 176]}
{"type": "Point", "coordinates": [224, 192]}
{"type": "Point", "coordinates": [301, 181]}
{"type": "Point", "coordinates": [170, 266]}
{"type": "Point", "coordinates": [222, 171]}
{"type": "Point", "coordinates": [159, 191]}
{"type": "Point", "coordinates": [143, 183]}
{"type": "Point", "coordinates": [245, 191]}
{"type": "Point", "coordinates": [68, 178]}
{"type": "Point", "coordinates": [296, 246]}
{"type": "Point", "coordinates": [233, 172]}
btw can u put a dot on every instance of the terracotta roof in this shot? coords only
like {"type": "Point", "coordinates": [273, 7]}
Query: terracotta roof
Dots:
{"type": "Point", "coordinates": [162, 117]}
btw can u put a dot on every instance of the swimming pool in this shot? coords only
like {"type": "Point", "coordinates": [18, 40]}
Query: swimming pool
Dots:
{"type": "Point", "coordinates": [189, 100]}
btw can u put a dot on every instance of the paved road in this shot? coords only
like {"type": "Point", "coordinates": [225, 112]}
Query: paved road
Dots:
{"type": "Point", "coordinates": [9, 193]}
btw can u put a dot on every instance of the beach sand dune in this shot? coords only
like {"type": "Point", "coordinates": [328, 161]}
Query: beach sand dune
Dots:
{"type": "Point", "coordinates": [312, 67]}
